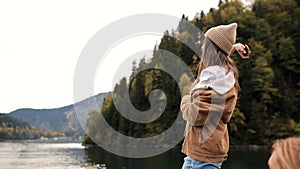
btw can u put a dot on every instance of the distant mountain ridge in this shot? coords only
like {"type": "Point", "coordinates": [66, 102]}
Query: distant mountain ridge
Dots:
{"type": "Point", "coordinates": [49, 119]}
{"type": "Point", "coordinates": [63, 119]}
{"type": "Point", "coordinates": [13, 128]}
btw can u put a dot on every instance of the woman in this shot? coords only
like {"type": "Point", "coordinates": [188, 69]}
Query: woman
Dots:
{"type": "Point", "coordinates": [212, 100]}
{"type": "Point", "coordinates": [285, 154]}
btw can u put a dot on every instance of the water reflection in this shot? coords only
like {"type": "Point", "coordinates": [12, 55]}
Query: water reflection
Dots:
{"type": "Point", "coordinates": [170, 159]}
{"type": "Point", "coordinates": [238, 159]}
{"type": "Point", "coordinates": [247, 159]}
{"type": "Point", "coordinates": [37, 155]}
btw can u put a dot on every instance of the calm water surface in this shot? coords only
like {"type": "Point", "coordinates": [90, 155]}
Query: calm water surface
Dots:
{"type": "Point", "coordinates": [32, 155]}
{"type": "Point", "coordinates": [37, 155]}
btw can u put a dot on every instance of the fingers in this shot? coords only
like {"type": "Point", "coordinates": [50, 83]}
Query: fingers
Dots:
{"type": "Point", "coordinates": [244, 51]}
{"type": "Point", "coordinates": [249, 51]}
{"type": "Point", "coordinates": [244, 57]}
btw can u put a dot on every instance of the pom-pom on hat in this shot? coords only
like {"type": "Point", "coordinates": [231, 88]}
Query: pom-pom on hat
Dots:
{"type": "Point", "coordinates": [223, 36]}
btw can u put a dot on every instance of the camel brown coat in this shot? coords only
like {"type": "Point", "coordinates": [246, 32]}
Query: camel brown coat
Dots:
{"type": "Point", "coordinates": [199, 143]}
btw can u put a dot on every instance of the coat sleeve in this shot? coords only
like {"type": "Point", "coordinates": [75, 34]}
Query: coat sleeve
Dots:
{"type": "Point", "coordinates": [231, 100]}
{"type": "Point", "coordinates": [188, 109]}
{"type": "Point", "coordinates": [194, 108]}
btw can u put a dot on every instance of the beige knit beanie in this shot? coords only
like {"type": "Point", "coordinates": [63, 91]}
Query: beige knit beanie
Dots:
{"type": "Point", "coordinates": [223, 36]}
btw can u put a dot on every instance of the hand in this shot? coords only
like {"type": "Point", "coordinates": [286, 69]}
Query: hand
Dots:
{"type": "Point", "coordinates": [243, 50]}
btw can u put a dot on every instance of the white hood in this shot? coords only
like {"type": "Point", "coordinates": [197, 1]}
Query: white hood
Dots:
{"type": "Point", "coordinates": [215, 77]}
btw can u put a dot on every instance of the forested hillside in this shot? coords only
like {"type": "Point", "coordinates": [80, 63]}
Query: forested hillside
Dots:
{"type": "Point", "coordinates": [268, 106]}
{"type": "Point", "coordinates": [13, 128]}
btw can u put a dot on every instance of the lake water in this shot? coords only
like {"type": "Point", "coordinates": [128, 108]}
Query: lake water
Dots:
{"type": "Point", "coordinates": [37, 155]}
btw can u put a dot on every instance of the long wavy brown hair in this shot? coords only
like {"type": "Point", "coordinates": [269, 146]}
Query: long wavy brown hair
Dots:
{"type": "Point", "coordinates": [212, 55]}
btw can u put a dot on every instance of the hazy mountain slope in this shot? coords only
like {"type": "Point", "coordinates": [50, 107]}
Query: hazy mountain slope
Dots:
{"type": "Point", "coordinates": [13, 128]}
{"type": "Point", "coordinates": [62, 119]}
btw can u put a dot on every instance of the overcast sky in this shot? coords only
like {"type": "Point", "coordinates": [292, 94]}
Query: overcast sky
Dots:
{"type": "Point", "coordinates": [40, 42]}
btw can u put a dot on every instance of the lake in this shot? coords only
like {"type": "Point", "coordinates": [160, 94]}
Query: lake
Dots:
{"type": "Point", "coordinates": [45, 155]}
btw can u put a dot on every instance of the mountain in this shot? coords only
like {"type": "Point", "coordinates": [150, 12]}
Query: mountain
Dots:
{"type": "Point", "coordinates": [8, 121]}
{"type": "Point", "coordinates": [13, 128]}
{"type": "Point", "coordinates": [64, 119]}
